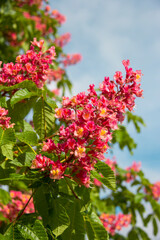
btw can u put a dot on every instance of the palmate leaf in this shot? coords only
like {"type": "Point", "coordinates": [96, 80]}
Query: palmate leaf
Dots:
{"type": "Point", "coordinates": [108, 178]}
{"type": "Point", "coordinates": [94, 227]}
{"type": "Point", "coordinates": [43, 118]}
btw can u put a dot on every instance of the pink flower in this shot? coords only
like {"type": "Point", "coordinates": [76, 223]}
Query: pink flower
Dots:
{"type": "Point", "coordinates": [62, 40]}
{"type": "Point", "coordinates": [115, 222]}
{"type": "Point", "coordinates": [58, 16]}
{"type": "Point", "coordinates": [33, 66]}
{"type": "Point", "coordinates": [4, 120]}
{"type": "Point", "coordinates": [132, 170]}
{"type": "Point", "coordinates": [19, 200]}
{"type": "Point", "coordinates": [41, 162]}
{"type": "Point", "coordinates": [57, 170]}
{"type": "Point", "coordinates": [71, 59]}
{"type": "Point", "coordinates": [155, 188]}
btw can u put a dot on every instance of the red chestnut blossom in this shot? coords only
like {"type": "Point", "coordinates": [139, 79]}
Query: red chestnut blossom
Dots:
{"type": "Point", "coordinates": [155, 188]}
{"type": "Point", "coordinates": [111, 163]}
{"type": "Point", "coordinates": [54, 169]}
{"type": "Point", "coordinates": [58, 16]}
{"type": "Point", "coordinates": [71, 59]}
{"type": "Point", "coordinates": [21, 3]}
{"type": "Point", "coordinates": [55, 74]}
{"type": "Point", "coordinates": [57, 170]}
{"type": "Point", "coordinates": [56, 91]}
{"type": "Point", "coordinates": [4, 120]}
{"type": "Point", "coordinates": [19, 200]}
{"type": "Point", "coordinates": [33, 66]}
{"type": "Point", "coordinates": [40, 23]}
{"type": "Point", "coordinates": [41, 162]}
{"type": "Point", "coordinates": [62, 40]}
{"type": "Point", "coordinates": [115, 222]}
{"type": "Point", "coordinates": [90, 120]}
{"type": "Point", "coordinates": [132, 170]}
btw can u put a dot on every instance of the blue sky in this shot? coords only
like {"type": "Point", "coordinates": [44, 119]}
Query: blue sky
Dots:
{"type": "Point", "coordinates": [105, 32]}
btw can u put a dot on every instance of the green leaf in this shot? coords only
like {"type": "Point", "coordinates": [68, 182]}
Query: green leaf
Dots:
{"type": "Point", "coordinates": [4, 197]}
{"type": "Point", "coordinates": [43, 118]}
{"type": "Point", "coordinates": [28, 137]}
{"type": "Point", "coordinates": [13, 233]}
{"type": "Point", "coordinates": [3, 102]}
{"type": "Point", "coordinates": [21, 109]}
{"type": "Point", "coordinates": [133, 234]}
{"type": "Point", "coordinates": [60, 220]}
{"type": "Point", "coordinates": [51, 102]}
{"type": "Point", "coordinates": [155, 226]}
{"type": "Point", "coordinates": [35, 231]}
{"type": "Point", "coordinates": [138, 197]}
{"type": "Point", "coordinates": [94, 227]}
{"type": "Point", "coordinates": [20, 95]}
{"type": "Point", "coordinates": [25, 84]}
{"type": "Point", "coordinates": [122, 137]}
{"type": "Point", "coordinates": [143, 234]}
{"type": "Point", "coordinates": [147, 219]}
{"type": "Point", "coordinates": [26, 158]}
{"type": "Point", "coordinates": [51, 211]}
{"type": "Point", "coordinates": [108, 175]}
{"type": "Point", "coordinates": [76, 230]}
{"type": "Point", "coordinates": [7, 150]}
{"type": "Point", "coordinates": [7, 136]}
{"type": "Point", "coordinates": [27, 127]}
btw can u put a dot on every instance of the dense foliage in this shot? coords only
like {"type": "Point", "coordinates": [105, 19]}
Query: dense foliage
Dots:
{"type": "Point", "coordinates": [56, 181]}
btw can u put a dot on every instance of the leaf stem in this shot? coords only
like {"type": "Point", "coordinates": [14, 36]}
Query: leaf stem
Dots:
{"type": "Point", "coordinates": [32, 149]}
{"type": "Point", "coordinates": [70, 186]}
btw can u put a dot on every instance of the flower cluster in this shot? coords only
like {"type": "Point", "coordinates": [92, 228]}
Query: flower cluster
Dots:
{"type": "Point", "coordinates": [55, 74]}
{"type": "Point", "coordinates": [54, 169]}
{"type": "Point", "coordinates": [19, 200]}
{"type": "Point", "coordinates": [132, 171]}
{"type": "Point", "coordinates": [115, 222]}
{"type": "Point", "coordinates": [21, 3]}
{"type": "Point", "coordinates": [4, 120]}
{"type": "Point", "coordinates": [33, 65]}
{"type": "Point", "coordinates": [155, 188]}
{"type": "Point", "coordinates": [71, 59]}
{"type": "Point", "coordinates": [40, 23]}
{"type": "Point", "coordinates": [90, 120]}
{"type": "Point", "coordinates": [62, 40]}
{"type": "Point", "coordinates": [58, 16]}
